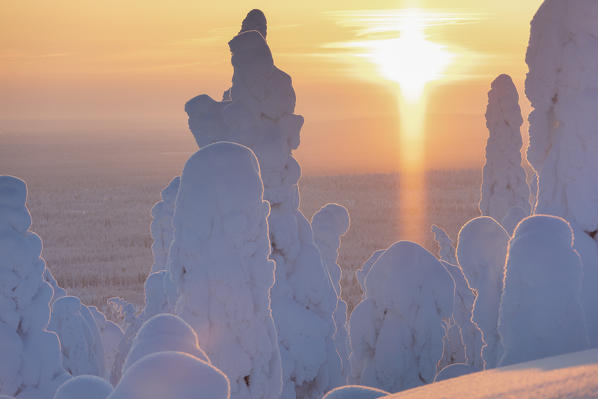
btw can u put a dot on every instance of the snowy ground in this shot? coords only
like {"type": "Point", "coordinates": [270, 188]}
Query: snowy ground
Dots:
{"type": "Point", "coordinates": [569, 376]}
{"type": "Point", "coordinates": [90, 201]}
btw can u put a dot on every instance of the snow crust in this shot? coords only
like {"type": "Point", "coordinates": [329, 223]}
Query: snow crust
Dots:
{"type": "Point", "coordinates": [84, 386]}
{"type": "Point", "coordinates": [571, 376]}
{"type": "Point", "coordinates": [80, 341]}
{"type": "Point", "coordinates": [504, 183]}
{"type": "Point", "coordinates": [257, 111]}
{"type": "Point", "coordinates": [541, 313]}
{"type": "Point", "coordinates": [30, 362]}
{"type": "Point", "coordinates": [562, 86]}
{"type": "Point", "coordinates": [481, 252]}
{"type": "Point", "coordinates": [396, 332]}
{"type": "Point", "coordinates": [219, 264]}
{"type": "Point", "coordinates": [172, 375]}
{"type": "Point", "coordinates": [329, 224]}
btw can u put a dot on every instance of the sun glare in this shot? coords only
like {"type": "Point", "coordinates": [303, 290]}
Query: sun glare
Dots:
{"type": "Point", "coordinates": [410, 60]}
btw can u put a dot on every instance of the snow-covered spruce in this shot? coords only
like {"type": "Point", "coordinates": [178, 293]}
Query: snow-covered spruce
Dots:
{"type": "Point", "coordinates": [396, 332]}
{"type": "Point", "coordinates": [58, 291]}
{"type": "Point", "coordinates": [362, 273]}
{"type": "Point", "coordinates": [84, 386]}
{"type": "Point", "coordinates": [355, 392]}
{"type": "Point", "coordinates": [329, 224]}
{"type": "Point", "coordinates": [80, 340]}
{"type": "Point", "coordinates": [164, 333]}
{"type": "Point", "coordinates": [111, 335]}
{"type": "Point", "coordinates": [481, 252]}
{"type": "Point", "coordinates": [258, 113]}
{"type": "Point", "coordinates": [463, 335]}
{"type": "Point", "coordinates": [30, 362]}
{"type": "Point", "coordinates": [446, 247]}
{"type": "Point", "coordinates": [219, 264]}
{"type": "Point", "coordinates": [161, 227]}
{"type": "Point", "coordinates": [172, 375]}
{"type": "Point", "coordinates": [540, 311]}
{"type": "Point", "coordinates": [588, 252]}
{"type": "Point", "coordinates": [504, 185]}
{"type": "Point", "coordinates": [561, 85]}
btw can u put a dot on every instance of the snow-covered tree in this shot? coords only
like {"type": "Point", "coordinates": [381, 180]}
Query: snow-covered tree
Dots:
{"type": "Point", "coordinates": [504, 185]}
{"type": "Point", "coordinates": [463, 341]}
{"type": "Point", "coordinates": [84, 386]}
{"type": "Point", "coordinates": [80, 340]}
{"type": "Point", "coordinates": [161, 227]}
{"type": "Point", "coordinates": [481, 252]}
{"type": "Point", "coordinates": [172, 375]}
{"type": "Point", "coordinates": [329, 224]}
{"type": "Point", "coordinates": [540, 311]}
{"type": "Point", "coordinates": [396, 332]}
{"type": "Point", "coordinates": [561, 85]}
{"type": "Point", "coordinates": [164, 333]}
{"type": "Point", "coordinates": [219, 264]}
{"type": "Point", "coordinates": [111, 335]}
{"type": "Point", "coordinates": [30, 360]}
{"type": "Point", "coordinates": [362, 272]}
{"type": "Point", "coordinates": [258, 113]}
{"type": "Point", "coordinates": [446, 247]}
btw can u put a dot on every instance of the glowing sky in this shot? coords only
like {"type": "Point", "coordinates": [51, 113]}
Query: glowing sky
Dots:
{"type": "Point", "coordinates": [132, 65]}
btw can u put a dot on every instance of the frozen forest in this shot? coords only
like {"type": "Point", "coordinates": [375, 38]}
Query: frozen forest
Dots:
{"type": "Point", "coordinates": [247, 298]}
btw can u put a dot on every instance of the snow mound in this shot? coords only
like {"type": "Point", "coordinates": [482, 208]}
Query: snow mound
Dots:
{"type": "Point", "coordinates": [540, 312]}
{"type": "Point", "coordinates": [455, 370]}
{"type": "Point", "coordinates": [172, 375]}
{"type": "Point", "coordinates": [481, 252]}
{"type": "Point", "coordinates": [80, 340]}
{"type": "Point", "coordinates": [504, 183]}
{"type": "Point", "coordinates": [30, 361]}
{"type": "Point", "coordinates": [84, 386]}
{"type": "Point", "coordinates": [219, 264]}
{"type": "Point", "coordinates": [562, 86]}
{"type": "Point", "coordinates": [355, 392]}
{"type": "Point", "coordinates": [164, 333]}
{"type": "Point", "coordinates": [396, 332]}
{"type": "Point", "coordinates": [571, 376]}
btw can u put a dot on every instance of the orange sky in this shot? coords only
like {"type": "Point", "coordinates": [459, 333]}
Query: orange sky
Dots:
{"type": "Point", "coordinates": [133, 64]}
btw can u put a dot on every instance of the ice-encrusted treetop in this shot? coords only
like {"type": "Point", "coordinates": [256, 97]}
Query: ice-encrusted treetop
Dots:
{"type": "Point", "coordinates": [562, 86]}
{"type": "Point", "coordinates": [255, 20]}
{"type": "Point", "coordinates": [504, 185]}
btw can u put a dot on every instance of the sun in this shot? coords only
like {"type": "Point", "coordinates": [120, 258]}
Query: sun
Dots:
{"type": "Point", "coordinates": [410, 59]}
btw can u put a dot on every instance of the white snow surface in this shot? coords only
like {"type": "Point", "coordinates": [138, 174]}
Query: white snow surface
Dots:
{"type": "Point", "coordinates": [80, 341]}
{"type": "Point", "coordinates": [164, 333]}
{"type": "Point", "coordinates": [172, 375]}
{"type": "Point", "coordinates": [571, 376]}
{"type": "Point", "coordinates": [481, 252]}
{"type": "Point", "coordinates": [219, 264]}
{"type": "Point", "coordinates": [329, 224]}
{"type": "Point", "coordinates": [362, 272]}
{"type": "Point", "coordinates": [258, 112]}
{"type": "Point", "coordinates": [30, 361]}
{"type": "Point", "coordinates": [588, 252]}
{"type": "Point", "coordinates": [161, 227]}
{"type": "Point", "coordinates": [541, 313]}
{"type": "Point", "coordinates": [84, 387]}
{"type": "Point", "coordinates": [504, 183]}
{"type": "Point", "coordinates": [562, 86]}
{"type": "Point", "coordinates": [396, 332]}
